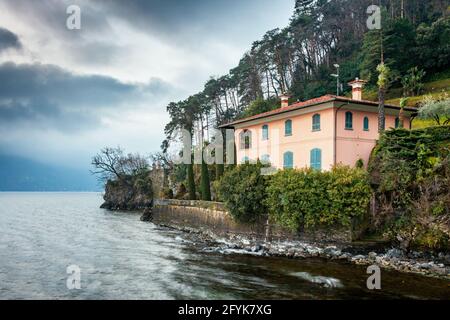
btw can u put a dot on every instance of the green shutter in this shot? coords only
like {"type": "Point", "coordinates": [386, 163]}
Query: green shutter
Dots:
{"type": "Point", "coordinates": [348, 120]}
{"type": "Point", "coordinates": [316, 159]}
{"type": "Point", "coordinates": [288, 158]}
{"type": "Point", "coordinates": [288, 128]}
{"type": "Point", "coordinates": [366, 124]}
{"type": "Point", "coordinates": [316, 122]}
{"type": "Point", "coordinates": [265, 132]}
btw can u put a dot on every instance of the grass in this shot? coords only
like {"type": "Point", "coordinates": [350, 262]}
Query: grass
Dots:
{"type": "Point", "coordinates": [439, 85]}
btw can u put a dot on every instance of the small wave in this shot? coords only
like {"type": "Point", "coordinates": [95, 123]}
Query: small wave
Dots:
{"type": "Point", "coordinates": [327, 282]}
{"type": "Point", "coordinates": [222, 250]}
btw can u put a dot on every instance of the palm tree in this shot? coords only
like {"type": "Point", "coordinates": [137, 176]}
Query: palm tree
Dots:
{"type": "Point", "coordinates": [383, 83]}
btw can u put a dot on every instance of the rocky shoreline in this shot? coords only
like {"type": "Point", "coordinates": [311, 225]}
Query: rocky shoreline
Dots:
{"type": "Point", "coordinates": [427, 264]}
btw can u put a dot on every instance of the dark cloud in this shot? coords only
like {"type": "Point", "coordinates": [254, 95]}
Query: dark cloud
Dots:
{"type": "Point", "coordinates": [50, 17]}
{"type": "Point", "coordinates": [181, 22]}
{"type": "Point", "coordinates": [8, 40]}
{"type": "Point", "coordinates": [46, 95]}
{"type": "Point", "coordinates": [198, 20]}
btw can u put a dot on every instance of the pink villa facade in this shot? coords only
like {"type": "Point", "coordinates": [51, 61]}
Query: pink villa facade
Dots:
{"type": "Point", "coordinates": [317, 133]}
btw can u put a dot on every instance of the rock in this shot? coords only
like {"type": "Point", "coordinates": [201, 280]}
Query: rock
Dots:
{"type": "Point", "coordinates": [147, 215]}
{"type": "Point", "coordinates": [300, 255]}
{"type": "Point", "coordinates": [257, 248]}
{"type": "Point", "coordinates": [438, 270]}
{"type": "Point", "coordinates": [133, 193]}
{"type": "Point", "coordinates": [344, 256]}
{"type": "Point", "coordinates": [425, 266]}
{"type": "Point", "coordinates": [332, 252]}
{"type": "Point", "coordinates": [372, 255]}
{"type": "Point", "coordinates": [394, 253]}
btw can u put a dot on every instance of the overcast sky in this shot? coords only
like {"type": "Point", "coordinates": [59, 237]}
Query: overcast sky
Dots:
{"type": "Point", "coordinates": [64, 94]}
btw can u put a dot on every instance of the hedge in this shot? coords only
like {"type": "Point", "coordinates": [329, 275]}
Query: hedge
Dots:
{"type": "Point", "coordinates": [243, 190]}
{"type": "Point", "coordinates": [309, 198]}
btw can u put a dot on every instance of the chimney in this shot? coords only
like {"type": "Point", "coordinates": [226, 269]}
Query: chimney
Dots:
{"type": "Point", "coordinates": [357, 88]}
{"type": "Point", "coordinates": [284, 100]}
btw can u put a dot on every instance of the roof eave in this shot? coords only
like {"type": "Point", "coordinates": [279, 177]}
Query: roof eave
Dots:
{"type": "Point", "coordinates": [232, 125]}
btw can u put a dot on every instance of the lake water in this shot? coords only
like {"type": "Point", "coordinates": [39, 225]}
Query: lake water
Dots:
{"type": "Point", "coordinates": [120, 257]}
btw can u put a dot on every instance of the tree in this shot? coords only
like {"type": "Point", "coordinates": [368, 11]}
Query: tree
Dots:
{"type": "Point", "coordinates": [413, 82]}
{"type": "Point", "coordinates": [436, 109]}
{"type": "Point", "coordinates": [205, 187]}
{"type": "Point", "coordinates": [183, 114]}
{"type": "Point", "coordinates": [112, 164]}
{"type": "Point", "coordinates": [433, 49]}
{"type": "Point", "coordinates": [383, 82]}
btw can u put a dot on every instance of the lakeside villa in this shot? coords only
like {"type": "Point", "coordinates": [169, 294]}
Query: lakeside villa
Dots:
{"type": "Point", "coordinates": [318, 133]}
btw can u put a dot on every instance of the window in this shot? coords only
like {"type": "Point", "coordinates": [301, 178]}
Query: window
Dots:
{"type": "Point", "coordinates": [397, 123]}
{"type": "Point", "coordinates": [316, 122]}
{"type": "Point", "coordinates": [265, 132]}
{"type": "Point", "coordinates": [366, 124]}
{"type": "Point", "coordinates": [245, 139]}
{"type": "Point", "coordinates": [348, 120]}
{"type": "Point", "coordinates": [245, 160]}
{"type": "Point", "coordinates": [265, 159]}
{"type": "Point", "coordinates": [288, 128]}
{"type": "Point", "coordinates": [288, 160]}
{"type": "Point", "coordinates": [316, 159]}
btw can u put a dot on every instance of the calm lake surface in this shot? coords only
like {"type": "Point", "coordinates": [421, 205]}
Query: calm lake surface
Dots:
{"type": "Point", "coordinates": [120, 257]}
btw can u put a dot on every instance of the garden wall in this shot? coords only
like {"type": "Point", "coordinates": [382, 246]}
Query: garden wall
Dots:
{"type": "Point", "coordinates": [213, 219]}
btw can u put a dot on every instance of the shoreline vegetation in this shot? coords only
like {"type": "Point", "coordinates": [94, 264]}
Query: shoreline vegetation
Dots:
{"type": "Point", "coordinates": [402, 199]}
{"type": "Point", "coordinates": [400, 205]}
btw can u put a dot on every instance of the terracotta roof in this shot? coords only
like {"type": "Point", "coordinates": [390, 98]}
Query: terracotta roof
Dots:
{"type": "Point", "coordinates": [310, 103]}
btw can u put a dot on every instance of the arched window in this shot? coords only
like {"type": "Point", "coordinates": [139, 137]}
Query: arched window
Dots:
{"type": "Point", "coordinates": [288, 128]}
{"type": "Point", "coordinates": [245, 139]}
{"type": "Point", "coordinates": [348, 120]}
{"type": "Point", "coordinates": [316, 159]}
{"type": "Point", "coordinates": [245, 160]}
{"type": "Point", "coordinates": [397, 122]}
{"type": "Point", "coordinates": [265, 132]}
{"type": "Point", "coordinates": [366, 123]}
{"type": "Point", "coordinates": [316, 122]}
{"type": "Point", "coordinates": [265, 159]}
{"type": "Point", "coordinates": [288, 160]}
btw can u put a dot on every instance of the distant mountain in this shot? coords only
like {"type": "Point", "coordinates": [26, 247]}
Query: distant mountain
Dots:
{"type": "Point", "coordinates": [20, 174]}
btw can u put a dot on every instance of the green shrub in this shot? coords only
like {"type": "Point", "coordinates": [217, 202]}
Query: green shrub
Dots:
{"type": "Point", "coordinates": [409, 171]}
{"type": "Point", "coordinates": [359, 164]}
{"type": "Point", "coordinates": [181, 191]}
{"type": "Point", "coordinates": [167, 193]}
{"type": "Point", "coordinates": [311, 198]}
{"type": "Point", "coordinates": [243, 190]}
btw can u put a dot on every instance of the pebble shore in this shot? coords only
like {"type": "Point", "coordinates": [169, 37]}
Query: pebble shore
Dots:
{"type": "Point", "coordinates": [428, 264]}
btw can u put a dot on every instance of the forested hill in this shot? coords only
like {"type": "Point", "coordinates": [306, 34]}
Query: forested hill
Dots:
{"type": "Point", "coordinates": [299, 59]}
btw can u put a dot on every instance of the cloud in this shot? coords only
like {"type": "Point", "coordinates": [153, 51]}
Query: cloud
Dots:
{"type": "Point", "coordinates": [49, 96]}
{"type": "Point", "coordinates": [8, 40]}
{"type": "Point", "coordinates": [68, 93]}
{"type": "Point", "coordinates": [190, 22]}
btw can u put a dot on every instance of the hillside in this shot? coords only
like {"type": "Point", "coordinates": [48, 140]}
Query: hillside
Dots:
{"type": "Point", "coordinates": [435, 86]}
{"type": "Point", "coordinates": [323, 39]}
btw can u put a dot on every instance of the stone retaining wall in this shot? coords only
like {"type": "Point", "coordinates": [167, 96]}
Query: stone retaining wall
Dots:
{"type": "Point", "coordinates": [212, 218]}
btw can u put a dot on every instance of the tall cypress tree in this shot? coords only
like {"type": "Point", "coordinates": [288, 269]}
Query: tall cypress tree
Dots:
{"type": "Point", "coordinates": [205, 183]}
{"type": "Point", "coordinates": [191, 181]}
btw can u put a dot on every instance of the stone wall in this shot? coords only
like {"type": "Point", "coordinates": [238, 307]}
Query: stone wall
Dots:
{"type": "Point", "coordinates": [212, 218]}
